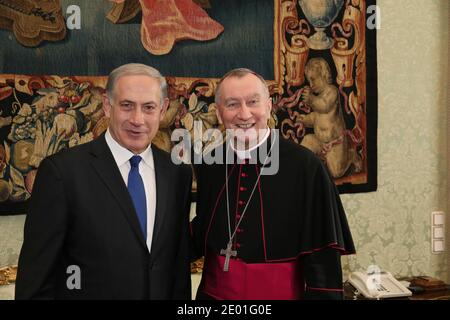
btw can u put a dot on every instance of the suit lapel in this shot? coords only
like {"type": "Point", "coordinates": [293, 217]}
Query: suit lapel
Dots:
{"type": "Point", "coordinates": [106, 167]}
{"type": "Point", "coordinates": [162, 177]}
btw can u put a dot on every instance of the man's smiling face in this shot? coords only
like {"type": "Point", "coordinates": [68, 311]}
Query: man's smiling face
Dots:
{"type": "Point", "coordinates": [135, 111]}
{"type": "Point", "coordinates": [244, 106]}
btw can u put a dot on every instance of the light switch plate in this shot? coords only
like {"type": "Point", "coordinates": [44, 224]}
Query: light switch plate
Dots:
{"type": "Point", "coordinates": [437, 218]}
{"type": "Point", "coordinates": [438, 246]}
{"type": "Point", "coordinates": [438, 232]}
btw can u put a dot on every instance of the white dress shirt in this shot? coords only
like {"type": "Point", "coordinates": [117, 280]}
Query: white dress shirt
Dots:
{"type": "Point", "coordinates": [147, 172]}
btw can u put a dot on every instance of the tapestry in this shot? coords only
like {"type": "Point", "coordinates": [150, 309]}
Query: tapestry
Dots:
{"type": "Point", "coordinates": [318, 57]}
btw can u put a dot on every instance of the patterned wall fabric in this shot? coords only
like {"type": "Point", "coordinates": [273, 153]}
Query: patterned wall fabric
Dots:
{"type": "Point", "coordinates": [391, 227]}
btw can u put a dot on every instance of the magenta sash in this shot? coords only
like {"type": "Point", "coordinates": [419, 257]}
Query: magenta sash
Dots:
{"type": "Point", "coordinates": [251, 281]}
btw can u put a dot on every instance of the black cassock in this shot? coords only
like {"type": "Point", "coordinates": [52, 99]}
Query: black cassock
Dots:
{"type": "Point", "coordinates": [289, 242]}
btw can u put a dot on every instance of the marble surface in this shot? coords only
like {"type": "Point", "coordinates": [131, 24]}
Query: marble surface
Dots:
{"type": "Point", "coordinates": [11, 238]}
{"type": "Point", "coordinates": [7, 292]}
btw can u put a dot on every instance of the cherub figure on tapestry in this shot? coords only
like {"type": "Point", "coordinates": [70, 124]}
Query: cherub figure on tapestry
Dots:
{"type": "Point", "coordinates": [329, 140]}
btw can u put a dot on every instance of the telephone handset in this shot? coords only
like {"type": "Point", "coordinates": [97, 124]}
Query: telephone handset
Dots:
{"type": "Point", "coordinates": [378, 285]}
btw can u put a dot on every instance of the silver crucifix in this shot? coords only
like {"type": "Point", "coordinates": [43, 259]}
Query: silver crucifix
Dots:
{"type": "Point", "coordinates": [228, 253]}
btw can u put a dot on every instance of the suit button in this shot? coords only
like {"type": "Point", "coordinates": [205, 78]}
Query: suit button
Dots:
{"type": "Point", "coordinates": [239, 230]}
{"type": "Point", "coordinates": [242, 189]}
{"type": "Point", "coordinates": [241, 202]}
{"type": "Point", "coordinates": [238, 216]}
{"type": "Point", "coordinates": [244, 175]}
{"type": "Point", "coordinates": [238, 245]}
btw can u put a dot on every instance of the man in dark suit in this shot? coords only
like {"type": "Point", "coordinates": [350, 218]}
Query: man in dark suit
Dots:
{"type": "Point", "coordinates": [109, 219]}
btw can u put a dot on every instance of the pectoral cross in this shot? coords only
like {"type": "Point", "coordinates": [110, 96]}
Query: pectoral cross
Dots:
{"type": "Point", "coordinates": [228, 253]}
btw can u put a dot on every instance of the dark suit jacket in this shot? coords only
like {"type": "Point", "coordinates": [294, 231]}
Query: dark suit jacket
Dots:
{"type": "Point", "coordinates": [82, 214]}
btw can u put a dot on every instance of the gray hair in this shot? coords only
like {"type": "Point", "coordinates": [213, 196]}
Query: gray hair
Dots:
{"type": "Point", "coordinates": [135, 69]}
{"type": "Point", "coordinates": [239, 73]}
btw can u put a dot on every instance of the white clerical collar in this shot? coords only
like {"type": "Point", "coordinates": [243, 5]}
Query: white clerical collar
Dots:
{"type": "Point", "coordinates": [123, 155]}
{"type": "Point", "coordinates": [245, 154]}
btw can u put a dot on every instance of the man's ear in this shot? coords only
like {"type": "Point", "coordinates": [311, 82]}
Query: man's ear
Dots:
{"type": "Point", "coordinates": [218, 115]}
{"type": "Point", "coordinates": [164, 107]}
{"type": "Point", "coordinates": [106, 105]}
{"type": "Point", "coordinates": [269, 107]}
{"type": "Point", "coordinates": [269, 103]}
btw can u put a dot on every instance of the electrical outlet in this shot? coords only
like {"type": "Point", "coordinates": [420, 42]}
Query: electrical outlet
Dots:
{"type": "Point", "coordinates": [437, 231]}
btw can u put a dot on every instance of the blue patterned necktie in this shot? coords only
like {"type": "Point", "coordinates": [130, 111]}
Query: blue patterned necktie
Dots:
{"type": "Point", "coordinates": [137, 192]}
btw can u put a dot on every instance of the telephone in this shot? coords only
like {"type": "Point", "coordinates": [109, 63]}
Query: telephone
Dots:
{"type": "Point", "coordinates": [378, 285]}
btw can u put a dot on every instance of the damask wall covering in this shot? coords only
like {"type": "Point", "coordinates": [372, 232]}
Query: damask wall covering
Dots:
{"type": "Point", "coordinates": [391, 227]}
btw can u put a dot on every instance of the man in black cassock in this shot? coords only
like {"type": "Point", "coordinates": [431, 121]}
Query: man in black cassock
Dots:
{"type": "Point", "coordinates": [276, 228]}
